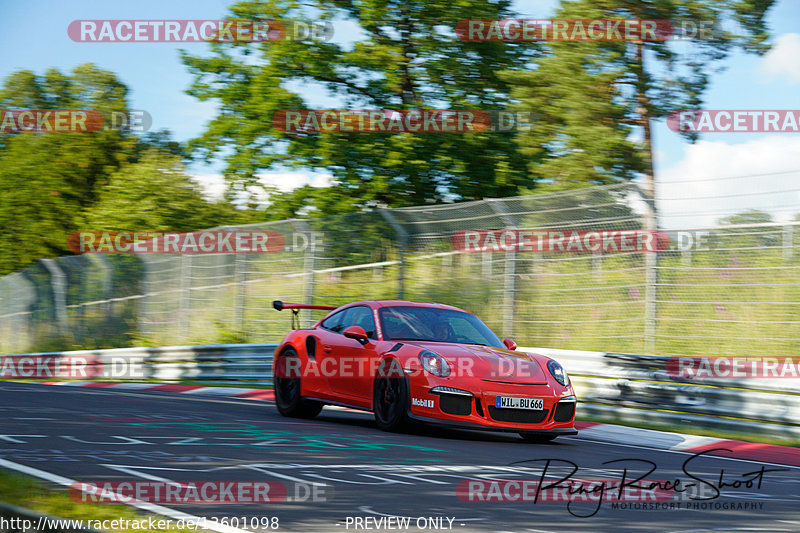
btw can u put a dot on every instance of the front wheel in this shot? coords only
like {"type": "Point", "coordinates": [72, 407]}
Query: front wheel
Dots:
{"type": "Point", "coordinates": [390, 400]}
{"type": "Point", "coordinates": [286, 382]}
{"type": "Point", "coordinates": [535, 438]}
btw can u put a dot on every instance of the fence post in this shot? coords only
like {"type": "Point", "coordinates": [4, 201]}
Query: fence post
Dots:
{"type": "Point", "coordinates": [788, 242]}
{"type": "Point", "coordinates": [510, 275]}
{"type": "Point", "coordinates": [185, 302]}
{"type": "Point", "coordinates": [597, 263]}
{"type": "Point", "coordinates": [58, 284]}
{"type": "Point", "coordinates": [107, 268]}
{"type": "Point", "coordinates": [651, 270]}
{"type": "Point", "coordinates": [309, 265]}
{"type": "Point", "coordinates": [240, 286]}
{"type": "Point", "coordinates": [402, 235]}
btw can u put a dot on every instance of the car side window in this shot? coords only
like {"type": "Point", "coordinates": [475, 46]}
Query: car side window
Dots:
{"type": "Point", "coordinates": [463, 329]}
{"type": "Point", "coordinates": [334, 322]}
{"type": "Point", "coordinates": [361, 315]}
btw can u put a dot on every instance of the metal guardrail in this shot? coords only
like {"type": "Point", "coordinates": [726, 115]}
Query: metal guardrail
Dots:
{"type": "Point", "coordinates": [612, 386]}
{"type": "Point", "coordinates": [638, 389]}
{"type": "Point", "coordinates": [213, 363]}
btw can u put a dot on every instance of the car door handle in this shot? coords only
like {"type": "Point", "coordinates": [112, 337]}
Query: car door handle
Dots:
{"type": "Point", "coordinates": [327, 348]}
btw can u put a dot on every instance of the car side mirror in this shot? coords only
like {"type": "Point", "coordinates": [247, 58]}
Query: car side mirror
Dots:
{"type": "Point", "coordinates": [511, 345]}
{"type": "Point", "coordinates": [357, 333]}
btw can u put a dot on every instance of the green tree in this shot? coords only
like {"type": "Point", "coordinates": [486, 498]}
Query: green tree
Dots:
{"type": "Point", "coordinates": [407, 56]}
{"type": "Point", "coordinates": [763, 236]}
{"type": "Point", "coordinates": [596, 100]}
{"type": "Point", "coordinates": [155, 194]}
{"type": "Point", "coordinates": [49, 181]}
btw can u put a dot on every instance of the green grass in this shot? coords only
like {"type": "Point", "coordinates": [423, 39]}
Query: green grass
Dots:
{"type": "Point", "coordinates": [26, 492]}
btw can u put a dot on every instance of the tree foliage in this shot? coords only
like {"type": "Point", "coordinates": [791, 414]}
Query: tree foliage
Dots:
{"type": "Point", "coordinates": [50, 181]}
{"type": "Point", "coordinates": [596, 100]}
{"type": "Point", "coordinates": [406, 56]}
{"type": "Point", "coordinates": [155, 194]}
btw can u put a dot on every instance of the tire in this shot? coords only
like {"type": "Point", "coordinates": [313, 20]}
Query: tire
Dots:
{"type": "Point", "coordinates": [537, 438]}
{"type": "Point", "coordinates": [390, 400]}
{"type": "Point", "coordinates": [287, 392]}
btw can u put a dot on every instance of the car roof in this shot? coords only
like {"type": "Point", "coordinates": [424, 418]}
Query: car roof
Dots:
{"type": "Point", "coordinates": [405, 303]}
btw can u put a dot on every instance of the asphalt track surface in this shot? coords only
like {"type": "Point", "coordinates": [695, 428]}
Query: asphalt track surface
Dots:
{"type": "Point", "coordinates": [95, 435]}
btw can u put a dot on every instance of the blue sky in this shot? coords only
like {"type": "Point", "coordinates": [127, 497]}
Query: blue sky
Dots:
{"type": "Point", "coordinates": [34, 36]}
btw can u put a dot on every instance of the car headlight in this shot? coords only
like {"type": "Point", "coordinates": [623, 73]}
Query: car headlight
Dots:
{"type": "Point", "coordinates": [558, 372]}
{"type": "Point", "coordinates": [434, 363]}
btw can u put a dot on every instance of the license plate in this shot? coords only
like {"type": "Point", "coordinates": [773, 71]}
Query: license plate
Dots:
{"type": "Point", "coordinates": [514, 402]}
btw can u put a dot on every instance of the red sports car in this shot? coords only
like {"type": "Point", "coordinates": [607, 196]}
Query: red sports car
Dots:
{"type": "Point", "coordinates": [427, 362]}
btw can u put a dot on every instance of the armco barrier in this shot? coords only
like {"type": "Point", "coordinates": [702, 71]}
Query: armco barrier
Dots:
{"type": "Point", "coordinates": [638, 389]}
{"type": "Point", "coordinates": [214, 363]}
{"type": "Point", "coordinates": [611, 386]}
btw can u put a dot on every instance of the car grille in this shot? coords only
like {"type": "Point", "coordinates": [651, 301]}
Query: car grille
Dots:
{"type": "Point", "coordinates": [453, 404]}
{"type": "Point", "coordinates": [522, 416]}
{"type": "Point", "coordinates": [564, 411]}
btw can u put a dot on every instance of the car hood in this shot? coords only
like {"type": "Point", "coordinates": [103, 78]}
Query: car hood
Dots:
{"type": "Point", "coordinates": [488, 362]}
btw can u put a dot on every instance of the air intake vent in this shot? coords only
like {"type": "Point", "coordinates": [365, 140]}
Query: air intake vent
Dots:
{"type": "Point", "coordinates": [311, 347]}
{"type": "Point", "coordinates": [521, 416]}
{"type": "Point", "coordinates": [564, 411]}
{"type": "Point", "coordinates": [455, 405]}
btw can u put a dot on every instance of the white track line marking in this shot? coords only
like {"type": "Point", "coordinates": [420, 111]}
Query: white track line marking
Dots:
{"type": "Point", "coordinates": [149, 507]}
{"type": "Point", "coordinates": [368, 509]}
{"type": "Point", "coordinates": [283, 476]}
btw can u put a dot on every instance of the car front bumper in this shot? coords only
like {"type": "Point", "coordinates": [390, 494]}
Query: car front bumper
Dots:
{"type": "Point", "coordinates": [474, 406]}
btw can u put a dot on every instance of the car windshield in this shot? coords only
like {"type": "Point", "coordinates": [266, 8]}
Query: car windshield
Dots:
{"type": "Point", "coordinates": [433, 324]}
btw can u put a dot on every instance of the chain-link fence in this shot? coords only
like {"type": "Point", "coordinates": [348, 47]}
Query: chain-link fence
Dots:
{"type": "Point", "coordinates": [734, 292]}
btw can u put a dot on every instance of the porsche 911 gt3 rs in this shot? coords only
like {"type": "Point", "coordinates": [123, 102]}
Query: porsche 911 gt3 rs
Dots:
{"type": "Point", "coordinates": [409, 361]}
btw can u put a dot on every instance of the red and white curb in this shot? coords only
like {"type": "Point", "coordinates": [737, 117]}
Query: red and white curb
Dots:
{"type": "Point", "coordinates": [649, 438]}
{"type": "Point", "coordinates": [664, 440]}
{"type": "Point", "coordinates": [229, 392]}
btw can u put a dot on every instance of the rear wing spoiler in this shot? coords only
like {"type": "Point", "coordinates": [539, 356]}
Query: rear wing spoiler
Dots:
{"type": "Point", "coordinates": [280, 306]}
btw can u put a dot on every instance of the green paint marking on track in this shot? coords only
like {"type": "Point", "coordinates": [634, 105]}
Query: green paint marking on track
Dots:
{"type": "Point", "coordinates": [253, 431]}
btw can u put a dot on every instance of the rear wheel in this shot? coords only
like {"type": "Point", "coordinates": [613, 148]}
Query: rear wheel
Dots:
{"type": "Point", "coordinates": [286, 381]}
{"type": "Point", "coordinates": [390, 398]}
{"type": "Point", "coordinates": [540, 438]}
